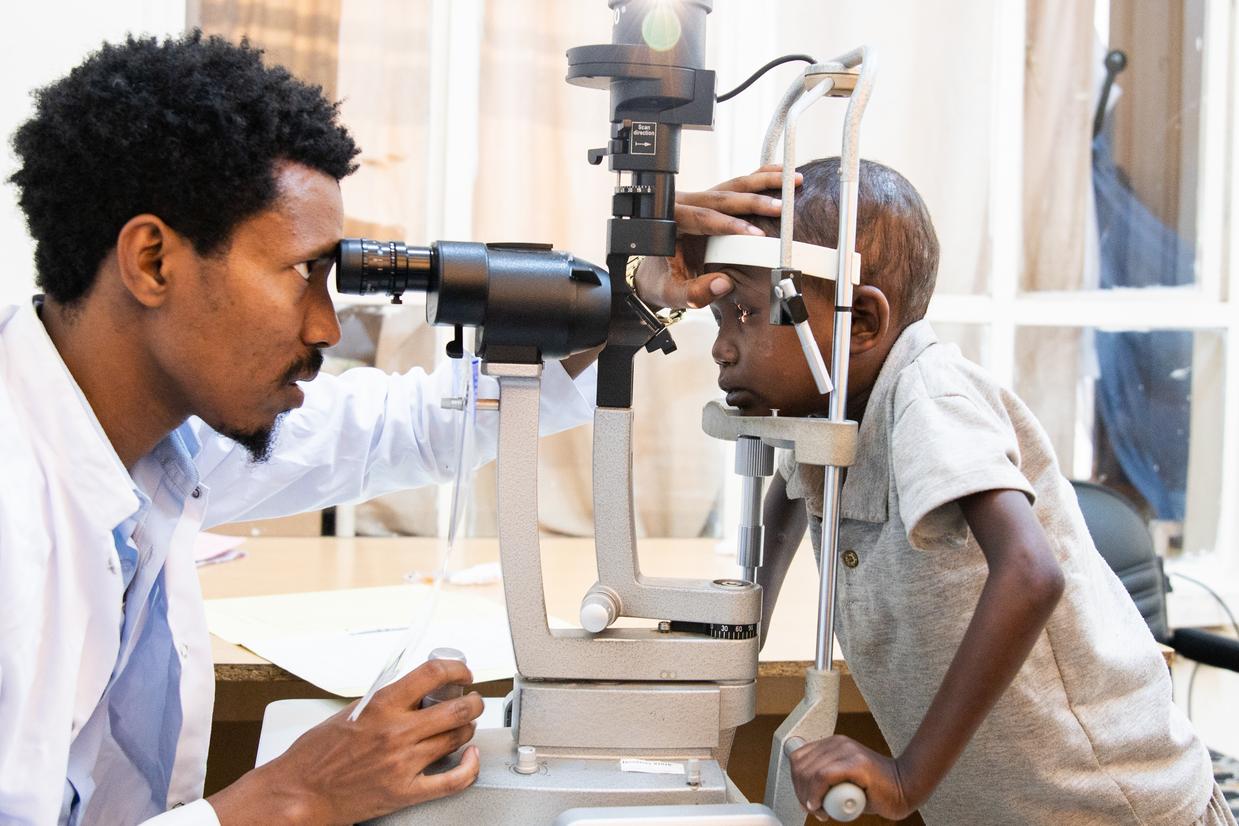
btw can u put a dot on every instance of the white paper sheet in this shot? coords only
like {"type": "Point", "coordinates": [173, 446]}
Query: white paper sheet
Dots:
{"type": "Point", "coordinates": [214, 548]}
{"type": "Point", "coordinates": [339, 640]}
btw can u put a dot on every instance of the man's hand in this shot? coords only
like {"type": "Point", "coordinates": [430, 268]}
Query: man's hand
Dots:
{"type": "Point", "coordinates": [344, 771]}
{"type": "Point", "coordinates": [678, 281]}
{"type": "Point", "coordinates": [818, 766]}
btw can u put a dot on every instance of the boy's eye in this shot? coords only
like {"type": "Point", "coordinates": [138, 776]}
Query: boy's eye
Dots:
{"type": "Point", "coordinates": [743, 313]}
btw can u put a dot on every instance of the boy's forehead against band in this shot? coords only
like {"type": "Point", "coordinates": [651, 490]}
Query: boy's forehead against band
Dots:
{"type": "Point", "coordinates": [754, 251]}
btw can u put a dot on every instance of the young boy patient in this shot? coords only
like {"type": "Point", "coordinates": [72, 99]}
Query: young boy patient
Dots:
{"type": "Point", "coordinates": [1005, 664]}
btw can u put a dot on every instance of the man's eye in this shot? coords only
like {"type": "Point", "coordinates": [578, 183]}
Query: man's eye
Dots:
{"type": "Point", "coordinates": [303, 269]}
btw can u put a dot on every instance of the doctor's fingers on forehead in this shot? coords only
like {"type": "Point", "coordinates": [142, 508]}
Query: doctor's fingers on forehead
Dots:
{"type": "Point", "coordinates": [732, 203]}
{"type": "Point", "coordinates": [704, 220]}
{"type": "Point", "coordinates": [767, 177]}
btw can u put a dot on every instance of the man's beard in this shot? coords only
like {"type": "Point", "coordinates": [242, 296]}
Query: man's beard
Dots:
{"type": "Point", "coordinates": [261, 441]}
{"type": "Point", "coordinates": [258, 443]}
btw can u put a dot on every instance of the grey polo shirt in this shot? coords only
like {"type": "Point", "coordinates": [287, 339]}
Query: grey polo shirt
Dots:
{"type": "Point", "coordinates": [1087, 733]}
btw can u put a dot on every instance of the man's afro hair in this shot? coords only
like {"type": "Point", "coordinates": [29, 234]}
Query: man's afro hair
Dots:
{"type": "Point", "coordinates": [189, 129]}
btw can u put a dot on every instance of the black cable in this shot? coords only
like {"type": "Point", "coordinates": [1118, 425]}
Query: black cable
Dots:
{"type": "Point", "coordinates": [1214, 594]}
{"type": "Point", "coordinates": [778, 61]}
{"type": "Point", "coordinates": [1191, 682]}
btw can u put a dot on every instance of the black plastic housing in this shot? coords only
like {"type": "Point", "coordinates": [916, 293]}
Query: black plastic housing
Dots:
{"type": "Point", "coordinates": [529, 302]}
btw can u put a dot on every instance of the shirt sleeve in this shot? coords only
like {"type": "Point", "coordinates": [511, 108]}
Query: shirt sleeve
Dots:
{"type": "Point", "coordinates": [364, 433]}
{"type": "Point", "coordinates": [198, 813]}
{"type": "Point", "coordinates": [943, 449]}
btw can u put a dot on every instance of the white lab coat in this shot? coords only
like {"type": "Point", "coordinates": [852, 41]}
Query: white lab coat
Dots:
{"type": "Point", "coordinates": [63, 490]}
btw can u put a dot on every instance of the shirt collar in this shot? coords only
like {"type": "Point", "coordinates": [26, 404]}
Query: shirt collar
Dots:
{"type": "Point", "coordinates": [172, 462]}
{"type": "Point", "coordinates": [866, 492]}
{"type": "Point", "coordinates": [67, 427]}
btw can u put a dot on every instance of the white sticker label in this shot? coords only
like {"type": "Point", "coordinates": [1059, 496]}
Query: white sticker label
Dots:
{"type": "Point", "coordinates": [644, 138]}
{"type": "Point", "coordinates": [651, 767]}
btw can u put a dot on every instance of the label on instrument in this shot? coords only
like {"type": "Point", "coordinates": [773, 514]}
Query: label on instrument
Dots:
{"type": "Point", "coordinates": [644, 138]}
{"type": "Point", "coordinates": [651, 767]}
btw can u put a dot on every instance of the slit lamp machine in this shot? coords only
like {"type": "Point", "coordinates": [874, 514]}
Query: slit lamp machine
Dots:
{"type": "Point", "coordinates": [611, 725]}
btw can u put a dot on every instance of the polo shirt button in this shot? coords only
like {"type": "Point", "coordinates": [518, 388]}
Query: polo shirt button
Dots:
{"type": "Point", "coordinates": [851, 559]}
{"type": "Point", "coordinates": [196, 493]}
{"type": "Point", "coordinates": [183, 650]}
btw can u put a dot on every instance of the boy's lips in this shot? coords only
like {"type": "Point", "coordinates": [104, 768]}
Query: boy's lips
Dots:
{"type": "Point", "coordinates": [737, 396]}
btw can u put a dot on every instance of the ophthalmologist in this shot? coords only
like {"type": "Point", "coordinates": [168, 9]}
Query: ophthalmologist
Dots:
{"type": "Point", "coordinates": [182, 197]}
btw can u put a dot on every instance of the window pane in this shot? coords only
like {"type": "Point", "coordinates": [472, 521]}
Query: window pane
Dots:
{"type": "Point", "coordinates": [1138, 226]}
{"type": "Point", "coordinates": [1146, 201]}
{"type": "Point", "coordinates": [1139, 412]}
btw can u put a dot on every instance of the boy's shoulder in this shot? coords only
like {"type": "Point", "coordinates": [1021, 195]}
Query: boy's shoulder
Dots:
{"type": "Point", "coordinates": [940, 371]}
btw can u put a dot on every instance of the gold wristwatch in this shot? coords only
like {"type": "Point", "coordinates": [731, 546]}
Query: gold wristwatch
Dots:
{"type": "Point", "coordinates": [666, 317]}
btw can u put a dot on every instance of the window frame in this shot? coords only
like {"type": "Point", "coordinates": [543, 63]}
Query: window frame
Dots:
{"type": "Point", "coordinates": [1206, 305]}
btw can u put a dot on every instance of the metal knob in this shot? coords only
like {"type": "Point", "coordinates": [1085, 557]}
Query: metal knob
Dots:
{"type": "Point", "coordinates": [445, 692]}
{"type": "Point", "coordinates": [693, 771]}
{"type": "Point", "coordinates": [599, 609]}
{"type": "Point", "coordinates": [754, 457]}
{"type": "Point", "coordinates": [526, 760]}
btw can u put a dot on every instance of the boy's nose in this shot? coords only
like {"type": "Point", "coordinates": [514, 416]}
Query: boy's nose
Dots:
{"type": "Point", "coordinates": [724, 353]}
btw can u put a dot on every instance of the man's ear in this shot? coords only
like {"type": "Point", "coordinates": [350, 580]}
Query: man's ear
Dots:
{"type": "Point", "coordinates": [144, 248]}
{"type": "Point", "coordinates": [871, 318]}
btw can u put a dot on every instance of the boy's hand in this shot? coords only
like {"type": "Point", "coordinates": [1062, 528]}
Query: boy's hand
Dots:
{"type": "Point", "coordinates": [818, 766]}
{"type": "Point", "coordinates": [678, 281]}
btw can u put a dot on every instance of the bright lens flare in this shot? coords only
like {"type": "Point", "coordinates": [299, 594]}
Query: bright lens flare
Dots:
{"type": "Point", "coordinates": [661, 27]}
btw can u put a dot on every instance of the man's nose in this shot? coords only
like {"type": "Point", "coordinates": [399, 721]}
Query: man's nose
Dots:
{"type": "Point", "coordinates": [322, 328]}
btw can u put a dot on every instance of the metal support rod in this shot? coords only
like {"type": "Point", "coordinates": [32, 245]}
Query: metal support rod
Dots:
{"type": "Point", "coordinates": [750, 551]}
{"type": "Point", "coordinates": [840, 360]}
{"type": "Point", "coordinates": [789, 169]}
{"type": "Point", "coordinates": [849, 191]}
{"type": "Point", "coordinates": [774, 131]}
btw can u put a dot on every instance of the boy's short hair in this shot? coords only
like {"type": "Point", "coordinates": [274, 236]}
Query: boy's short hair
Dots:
{"type": "Point", "coordinates": [894, 233]}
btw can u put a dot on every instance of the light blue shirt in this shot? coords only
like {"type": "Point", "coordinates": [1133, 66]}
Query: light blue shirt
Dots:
{"type": "Point", "coordinates": [129, 742]}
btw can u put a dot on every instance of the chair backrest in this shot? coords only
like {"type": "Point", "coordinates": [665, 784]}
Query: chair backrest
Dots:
{"type": "Point", "coordinates": [1123, 539]}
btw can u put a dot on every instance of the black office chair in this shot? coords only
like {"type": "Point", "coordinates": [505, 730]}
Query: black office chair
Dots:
{"type": "Point", "coordinates": [1123, 539]}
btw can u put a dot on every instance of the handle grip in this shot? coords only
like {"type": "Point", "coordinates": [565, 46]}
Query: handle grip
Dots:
{"type": "Point", "coordinates": [845, 801]}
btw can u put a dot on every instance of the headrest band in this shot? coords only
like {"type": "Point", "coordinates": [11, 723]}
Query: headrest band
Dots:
{"type": "Point", "coordinates": [764, 252]}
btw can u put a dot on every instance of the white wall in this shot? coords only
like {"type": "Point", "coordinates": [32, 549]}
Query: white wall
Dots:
{"type": "Point", "coordinates": [39, 43]}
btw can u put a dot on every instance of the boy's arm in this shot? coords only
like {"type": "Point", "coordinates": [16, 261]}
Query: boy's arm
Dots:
{"type": "Point", "coordinates": [785, 520]}
{"type": "Point", "coordinates": [1023, 586]}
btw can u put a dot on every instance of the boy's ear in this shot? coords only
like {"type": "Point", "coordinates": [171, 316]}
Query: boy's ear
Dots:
{"type": "Point", "coordinates": [871, 318]}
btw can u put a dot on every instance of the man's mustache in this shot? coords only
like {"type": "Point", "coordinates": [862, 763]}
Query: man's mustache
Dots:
{"type": "Point", "coordinates": [304, 368]}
